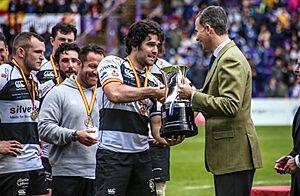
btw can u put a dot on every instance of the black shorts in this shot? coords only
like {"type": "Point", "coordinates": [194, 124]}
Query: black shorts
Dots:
{"type": "Point", "coordinates": [23, 183]}
{"type": "Point", "coordinates": [127, 174]}
{"type": "Point", "coordinates": [70, 186]}
{"type": "Point", "coordinates": [48, 172]}
{"type": "Point", "coordinates": [160, 158]}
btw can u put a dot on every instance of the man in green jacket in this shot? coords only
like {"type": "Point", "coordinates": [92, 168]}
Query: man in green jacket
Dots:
{"type": "Point", "coordinates": [232, 151]}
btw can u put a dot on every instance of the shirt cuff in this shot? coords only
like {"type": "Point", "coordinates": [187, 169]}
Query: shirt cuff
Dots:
{"type": "Point", "coordinates": [297, 161]}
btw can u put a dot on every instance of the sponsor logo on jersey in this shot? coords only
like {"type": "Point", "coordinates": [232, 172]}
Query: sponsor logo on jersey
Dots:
{"type": "Point", "coordinates": [114, 73]}
{"type": "Point", "coordinates": [107, 67]}
{"type": "Point", "coordinates": [21, 109]}
{"type": "Point", "coordinates": [103, 75]}
{"type": "Point", "coordinates": [19, 84]}
{"type": "Point", "coordinates": [48, 74]}
{"type": "Point", "coordinates": [129, 73]}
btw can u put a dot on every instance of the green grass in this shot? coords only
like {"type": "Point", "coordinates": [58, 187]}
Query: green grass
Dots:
{"type": "Point", "coordinates": [188, 174]}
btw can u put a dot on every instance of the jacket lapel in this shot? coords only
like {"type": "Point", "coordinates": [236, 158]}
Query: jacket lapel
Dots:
{"type": "Point", "coordinates": [214, 65]}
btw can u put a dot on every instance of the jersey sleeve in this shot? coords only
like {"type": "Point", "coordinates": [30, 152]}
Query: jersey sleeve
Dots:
{"type": "Point", "coordinates": [156, 109]}
{"type": "Point", "coordinates": [109, 70]}
{"type": "Point", "coordinates": [4, 76]}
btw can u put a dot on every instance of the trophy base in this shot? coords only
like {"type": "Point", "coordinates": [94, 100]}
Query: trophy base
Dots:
{"type": "Point", "coordinates": [179, 122]}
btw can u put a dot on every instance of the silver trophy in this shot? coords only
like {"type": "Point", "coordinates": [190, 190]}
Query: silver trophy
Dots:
{"type": "Point", "coordinates": [177, 114]}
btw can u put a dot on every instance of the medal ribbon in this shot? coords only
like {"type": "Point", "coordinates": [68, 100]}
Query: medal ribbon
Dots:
{"type": "Point", "coordinates": [54, 70]}
{"type": "Point", "coordinates": [137, 79]}
{"type": "Point", "coordinates": [87, 107]}
{"type": "Point", "coordinates": [32, 92]}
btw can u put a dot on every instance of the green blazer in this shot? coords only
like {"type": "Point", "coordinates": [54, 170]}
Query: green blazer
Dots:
{"type": "Point", "coordinates": [231, 142]}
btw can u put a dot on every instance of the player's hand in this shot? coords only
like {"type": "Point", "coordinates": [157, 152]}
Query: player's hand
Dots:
{"type": "Point", "coordinates": [160, 93]}
{"type": "Point", "coordinates": [40, 151]}
{"type": "Point", "coordinates": [160, 140]}
{"type": "Point", "coordinates": [85, 138]}
{"type": "Point", "coordinates": [10, 147]}
{"type": "Point", "coordinates": [174, 141]}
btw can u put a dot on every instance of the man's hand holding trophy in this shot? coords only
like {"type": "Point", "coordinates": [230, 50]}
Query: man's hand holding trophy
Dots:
{"type": "Point", "coordinates": [177, 115]}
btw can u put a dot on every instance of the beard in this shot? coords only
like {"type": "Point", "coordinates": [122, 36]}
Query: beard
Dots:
{"type": "Point", "coordinates": [143, 61]}
{"type": "Point", "coordinates": [63, 75]}
{"type": "Point", "coordinates": [67, 73]}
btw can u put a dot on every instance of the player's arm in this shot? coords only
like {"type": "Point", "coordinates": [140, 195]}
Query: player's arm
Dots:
{"type": "Point", "coordinates": [120, 93]}
{"type": "Point", "coordinates": [155, 124]}
{"type": "Point", "coordinates": [111, 79]}
{"type": "Point", "coordinates": [8, 147]}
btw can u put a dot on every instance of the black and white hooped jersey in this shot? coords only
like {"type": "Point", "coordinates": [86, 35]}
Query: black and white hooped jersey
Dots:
{"type": "Point", "coordinates": [16, 122]}
{"type": "Point", "coordinates": [124, 126]}
{"type": "Point", "coordinates": [46, 72]}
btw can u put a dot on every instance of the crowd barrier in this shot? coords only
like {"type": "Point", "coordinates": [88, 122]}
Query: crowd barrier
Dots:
{"type": "Point", "coordinates": [269, 111]}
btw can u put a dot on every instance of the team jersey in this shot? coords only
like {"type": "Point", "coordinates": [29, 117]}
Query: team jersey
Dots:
{"type": "Point", "coordinates": [124, 126]}
{"type": "Point", "coordinates": [46, 72]}
{"type": "Point", "coordinates": [16, 122]}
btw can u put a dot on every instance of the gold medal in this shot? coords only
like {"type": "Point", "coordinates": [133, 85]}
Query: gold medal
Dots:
{"type": "Point", "coordinates": [31, 90]}
{"type": "Point", "coordinates": [143, 108]}
{"type": "Point", "coordinates": [34, 114]}
{"type": "Point", "coordinates": [88, 122]}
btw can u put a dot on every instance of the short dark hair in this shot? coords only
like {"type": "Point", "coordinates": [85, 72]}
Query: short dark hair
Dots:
{"type": "Point", "coordinates": [216, 17]}
{"type": "Point", "coordinates": [138, 32]}
{"type": "Point", "coordinates": [90, 48]}
{"type": "Point", "coordinates": [24, 40]}
{"type": "Point", "coordinates": [64, 29]}
{"type": "Point", "coordinates": [64, 47]}
{"type": "Point", "coordinates": [3, 38]}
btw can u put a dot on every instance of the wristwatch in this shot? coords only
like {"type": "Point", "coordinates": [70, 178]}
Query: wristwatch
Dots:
{"type": "Point", "coordinates": [74, 137]}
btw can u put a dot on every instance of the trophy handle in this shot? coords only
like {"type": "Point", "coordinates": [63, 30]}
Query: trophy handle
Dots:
{"type": "Point", "coordinates": [181, 73]}
{"type": "Point", "coordinates": [172, 76]}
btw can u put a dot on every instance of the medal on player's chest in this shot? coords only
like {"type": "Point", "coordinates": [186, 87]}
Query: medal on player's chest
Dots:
{"type": "Point", "coordinates": [88, 122]}
{"type": "Point", "coordinates": [34, 114]}
{"type": "Point", "coordinates": [31, 89]}
{"type": "Point", "coordinates": [143, 107]}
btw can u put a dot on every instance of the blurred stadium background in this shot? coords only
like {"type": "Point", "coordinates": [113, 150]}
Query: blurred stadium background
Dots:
{"type": "Point", "coordinates": [267, 31]}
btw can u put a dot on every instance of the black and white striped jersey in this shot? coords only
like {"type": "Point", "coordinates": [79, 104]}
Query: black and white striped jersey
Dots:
{"type": "Point", "coordinates": [15, 120]}
{"type": "Point", "coordinates": [124, 126]}
{"type": "Point", "coordinates": [46, 72]}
